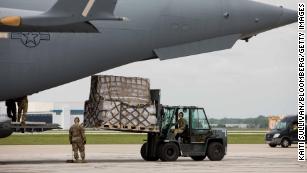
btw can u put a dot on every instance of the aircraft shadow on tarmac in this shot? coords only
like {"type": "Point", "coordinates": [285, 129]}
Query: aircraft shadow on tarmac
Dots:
{"type": "Point", "coordinates": [21, 162]}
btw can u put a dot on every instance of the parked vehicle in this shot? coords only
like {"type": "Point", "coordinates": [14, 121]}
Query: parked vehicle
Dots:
{"type": "Point", "coordinates": [285, 133]}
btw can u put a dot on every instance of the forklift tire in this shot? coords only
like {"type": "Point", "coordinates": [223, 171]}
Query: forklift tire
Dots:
{"type": "Point", "coordinates": [215, 151]}
{"type": "Point", "coordinates": [144, 154]}
{"type": "Point", "coordinates": [169, 152]}
{"type": "Point", "coordinates": [198, 158]}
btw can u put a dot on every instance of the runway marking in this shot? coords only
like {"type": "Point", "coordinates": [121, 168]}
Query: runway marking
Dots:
{"type": "Point", "coordinates": [88, 8]}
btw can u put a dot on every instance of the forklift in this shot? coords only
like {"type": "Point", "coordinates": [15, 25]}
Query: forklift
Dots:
{"type": "Point", "coordinates": [198, 140]}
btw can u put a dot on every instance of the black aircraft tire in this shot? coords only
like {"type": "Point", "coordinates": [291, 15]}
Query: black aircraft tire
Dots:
{"type": "Point", "coordinates": [285, 143]}
{"type": "Point", "coordinates": [144, 155]}
{"type": "Point", "coordinates": [169, 152]}
{"type": "Point", "coordinates": [273, 145]}
{"type": "Point", "coordinates": [198, 158]}
{"type": "Point", "coordinates": [216, 151]}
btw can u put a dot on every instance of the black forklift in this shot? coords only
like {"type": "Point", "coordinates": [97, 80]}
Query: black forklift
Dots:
{"type": "Point", "coordinates": [197, 141]}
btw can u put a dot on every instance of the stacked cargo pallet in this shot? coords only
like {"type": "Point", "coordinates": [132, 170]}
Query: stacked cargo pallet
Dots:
{"type": "Point", "coordinates": [120, 103]}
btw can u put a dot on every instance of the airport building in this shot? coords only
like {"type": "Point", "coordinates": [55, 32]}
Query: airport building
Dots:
{"type": "Point", "coordinates": [273, 120]}
{"type": "Point", "coordinates": [62, 113]}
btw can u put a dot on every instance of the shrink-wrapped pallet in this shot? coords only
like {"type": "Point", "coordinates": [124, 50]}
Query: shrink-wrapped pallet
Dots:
{"type": "Point", "coordinates": [120, 103]}
{"type": "Point", "coordinates": [130, 90]}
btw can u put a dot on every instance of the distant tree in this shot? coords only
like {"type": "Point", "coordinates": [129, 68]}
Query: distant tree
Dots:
{"type": "Point", "coordinates": [221, 125]}
{"type": "Point", "coordinates": [258, 122]}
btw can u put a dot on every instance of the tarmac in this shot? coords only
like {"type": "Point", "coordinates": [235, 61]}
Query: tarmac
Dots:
{"type": "Point", "coordinates": [126, 159]}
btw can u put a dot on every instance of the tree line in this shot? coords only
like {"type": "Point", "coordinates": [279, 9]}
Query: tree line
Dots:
{"type": "Point", "coordinates": [258, 122]}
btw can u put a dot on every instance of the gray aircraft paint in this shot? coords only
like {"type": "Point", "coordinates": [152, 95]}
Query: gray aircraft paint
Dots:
{"type": "Point", "coordinates": [162, 28]}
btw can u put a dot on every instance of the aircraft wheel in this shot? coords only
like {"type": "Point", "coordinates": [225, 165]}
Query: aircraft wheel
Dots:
{"type": "Point", "coordinates": [198, 158]}
{"type": "Point", "coordinates": [216, 151]}
{"type": "Point", "coordinates": [144, 154]}
{"type": "Point", "coordinates": [169, 152]}
{"type": "Point", "coordinates": [285, 143]}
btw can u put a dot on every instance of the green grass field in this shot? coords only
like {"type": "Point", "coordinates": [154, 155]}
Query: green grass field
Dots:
{"type": "Point", "coordinates": [58, 139]}
{"type": "Point", "coordinates": [246, 138]}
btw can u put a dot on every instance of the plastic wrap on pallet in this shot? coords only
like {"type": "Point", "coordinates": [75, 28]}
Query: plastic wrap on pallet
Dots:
{"type": "Point", "coordinates": [119, 115]}
{"type": "Point", "coordinates": [138, 116]}
{"type": "Point", "coordinates": [91, 118]}
{"type": "Point", "coordinates": [130, 90]}
{"type": "Point", "coordinates": [121, 103]}
{"type": "Point", "coordinates": [110, 113]}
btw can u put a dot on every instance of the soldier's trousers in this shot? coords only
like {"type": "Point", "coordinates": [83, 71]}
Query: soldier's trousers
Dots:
{"type": "Point", "coordinates": [22, 112]}
{"type": "Point", "coordinates": [11, 112]}
{"type": "Point", "coordinates": [177, 131]}
{"type": "Point", "coordinates": [78, 147]}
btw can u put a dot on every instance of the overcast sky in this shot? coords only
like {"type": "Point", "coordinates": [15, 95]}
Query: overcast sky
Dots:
{"type": "Point", "coordinates": [255, 78]}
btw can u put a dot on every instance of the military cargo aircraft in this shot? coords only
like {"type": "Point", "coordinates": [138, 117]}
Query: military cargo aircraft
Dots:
{"type": "Point", "coordinates": [44, 44]}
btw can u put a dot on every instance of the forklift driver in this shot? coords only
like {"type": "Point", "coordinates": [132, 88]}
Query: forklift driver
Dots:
{"type": "Point", "coordinates": [182, 123]}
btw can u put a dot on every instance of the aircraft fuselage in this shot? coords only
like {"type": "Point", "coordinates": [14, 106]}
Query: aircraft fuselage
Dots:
{"type": "Point", "coordinates": [32, 62]}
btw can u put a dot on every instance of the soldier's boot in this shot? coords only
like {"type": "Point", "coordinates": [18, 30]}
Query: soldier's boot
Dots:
{"type": "Point", "coordinates": [82, 156]}
{"type": "Point", "coordinates": [76, 156]}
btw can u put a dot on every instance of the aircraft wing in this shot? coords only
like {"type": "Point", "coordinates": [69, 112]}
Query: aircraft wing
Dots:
{"type": "Point", "coordinates": [64, 16]}
{"type": "Point", "coordinates": [203, 46]}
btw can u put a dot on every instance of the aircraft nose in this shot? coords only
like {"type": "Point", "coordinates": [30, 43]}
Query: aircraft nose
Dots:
{"type": "Point", "coordinates": [263, 17]}
{"type": "Point", "coordinates": [288, 16]}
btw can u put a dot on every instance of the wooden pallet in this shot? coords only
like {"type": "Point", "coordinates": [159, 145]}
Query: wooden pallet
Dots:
{"type": "Point", "coordinates": [130, 128]}
{"type": "Point", "coordinates": [109, 126]}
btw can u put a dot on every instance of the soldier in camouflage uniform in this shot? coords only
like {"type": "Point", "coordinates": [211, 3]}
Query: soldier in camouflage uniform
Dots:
{"type": "Point", "coordinates": [22, 103]}
{"type": "Point", "coordinates": [182, 123]}
{"type": "Point", "coordinates": [77, 139]}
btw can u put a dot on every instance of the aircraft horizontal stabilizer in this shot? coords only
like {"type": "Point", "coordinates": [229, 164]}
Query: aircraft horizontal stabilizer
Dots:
{"type": "Point", "coordinates": [64, 16]}
{"type": "Point", "coordinates": [203, 46]}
